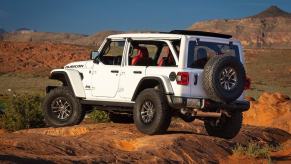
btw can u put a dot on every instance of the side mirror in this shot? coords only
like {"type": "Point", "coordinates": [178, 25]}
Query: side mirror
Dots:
{"type": "Point", "coordinates": [94, 54]}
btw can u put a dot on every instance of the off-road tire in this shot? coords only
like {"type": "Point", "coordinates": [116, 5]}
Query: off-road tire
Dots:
{"type": "Point", "coordinates": [77, 114]}
{"type": "Point", "coordinates": [211, 78]}
{"type": "Point", "coordinates": [120, 118]}
{"type": "Point", "coordinates": [228, 128]}
{"type": "Point", "coordinates": [84, 111]}
{"type": "Point", "coordinates": [162, 114]}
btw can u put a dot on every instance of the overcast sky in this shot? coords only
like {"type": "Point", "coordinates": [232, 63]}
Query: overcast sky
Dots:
{"type": "Point", "coordinates": [90, 16]}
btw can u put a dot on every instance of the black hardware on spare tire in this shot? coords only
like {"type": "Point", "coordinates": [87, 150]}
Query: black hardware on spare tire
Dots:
{"type": "Point", "coordinates": [224, 78]}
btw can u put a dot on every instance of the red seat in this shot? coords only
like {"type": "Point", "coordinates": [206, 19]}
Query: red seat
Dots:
{"type": "Point", "coordinates": [142, 57]}
{"type": "Point", "coordinates": [162, 61]}
{"type": "Point", "coordinates": [168, 60]}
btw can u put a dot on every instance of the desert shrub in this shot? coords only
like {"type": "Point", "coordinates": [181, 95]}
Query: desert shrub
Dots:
{"type": "Point", "coordinates": [99, 116]}
{"type": "Point", "coordinates": [22, 112]}
{"type": "Point", "coordinates": [253, 149]}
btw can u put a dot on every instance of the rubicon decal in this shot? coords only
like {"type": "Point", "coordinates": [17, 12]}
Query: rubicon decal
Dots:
{"type": "Point", "coordinates": [74, 66]}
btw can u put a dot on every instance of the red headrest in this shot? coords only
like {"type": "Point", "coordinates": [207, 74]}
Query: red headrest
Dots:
{"type": "Point", "coordinates": [142, 55]}
{"type": "Point", "coordinates": [143, 52]}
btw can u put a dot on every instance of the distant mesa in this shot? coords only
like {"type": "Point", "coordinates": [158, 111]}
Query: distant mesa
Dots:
{"type": "Point", "coordinates": [2, 31]}
{"type": "Point", "coordinates": [24, 30]}
{"type": "Point", "coordinates": [272, 11]}
{"type": "Point", "coordinates": [29, 35]}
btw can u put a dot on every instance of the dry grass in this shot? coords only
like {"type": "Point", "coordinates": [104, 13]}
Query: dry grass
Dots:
{"type": "Point", "coordinates": [255, 150]}
{"type": "Point", "coordinates": [24, 83]}
{"type": "Point", "coordinates": [269, 70]}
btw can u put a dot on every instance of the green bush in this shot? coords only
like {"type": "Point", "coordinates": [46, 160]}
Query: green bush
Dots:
{"type": "Point", "coordinates": [99, 116]}
{"type": "Point", "coordinates": [253, 149]}
{"type": "Point", "coordinates": [22, 112]}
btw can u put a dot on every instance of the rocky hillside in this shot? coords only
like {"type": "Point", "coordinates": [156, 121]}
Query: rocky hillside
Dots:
{"type": "Point", "coordinates": [268, 29]}
{"type": "Point", "coordinates": [95, 39]}
{"type": "Point", "coordinates": [38, 57]}
{"type": "Point", "coordinates": [56, 38]}
{"type": "Point", "coordinates": [30, 36]}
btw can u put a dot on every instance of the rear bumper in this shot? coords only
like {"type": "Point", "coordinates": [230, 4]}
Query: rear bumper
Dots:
{"type": "Point", "coordinates": [241, 106]}
{"type": "Point", "coordinates": [184, 102]}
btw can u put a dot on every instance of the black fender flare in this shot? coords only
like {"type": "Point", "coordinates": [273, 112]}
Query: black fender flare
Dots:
{"type": "Point", "coordinates": [65, 77]}
{"type": "Point", "coordinates": [60, 76]}
{"type": "Point", "coordinates": [152, 82]}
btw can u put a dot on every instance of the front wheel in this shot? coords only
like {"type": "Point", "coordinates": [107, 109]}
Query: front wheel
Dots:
{"type": "Point", "coordinates": [61, 108]}
{"type": "Point", "coordinates": [151, 114]}
{"type": "Point", "coordinates": [225, 127]}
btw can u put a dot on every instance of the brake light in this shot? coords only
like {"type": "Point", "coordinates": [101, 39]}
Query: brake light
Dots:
{"type": "Point", "coordinates": [247, 83]}
{"type": "Point", "coordinates": [182, 78]}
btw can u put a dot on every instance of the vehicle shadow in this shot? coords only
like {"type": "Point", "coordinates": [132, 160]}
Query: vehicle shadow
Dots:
{"type": "Point", "coordinates": [185, 132]}
{"type": "Point", "coordinates": [16, 159]}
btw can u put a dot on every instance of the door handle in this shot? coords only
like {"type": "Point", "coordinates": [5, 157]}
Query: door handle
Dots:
{"type": "Point", "coordinates": [195, 79]}
{"type": "Point", "coordinates": [114, 71]}
{"type": "Point", "coordinates": [137, 72]}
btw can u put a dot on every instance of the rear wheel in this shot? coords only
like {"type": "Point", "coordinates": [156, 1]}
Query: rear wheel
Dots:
{"type": "Point", "coordinates": [151, 114]}
{"type": "Point", "coordinates": [224, 127]}
{"type": "Point", "coordinates": [62, 108]}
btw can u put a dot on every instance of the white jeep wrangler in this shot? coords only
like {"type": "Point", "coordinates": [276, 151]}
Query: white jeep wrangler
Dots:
{"type": "Point", "coordinates": [152, 77]}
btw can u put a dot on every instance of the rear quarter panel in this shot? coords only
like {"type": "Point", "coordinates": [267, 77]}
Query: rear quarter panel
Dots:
{"type": "Point", "coordinates": [178, 90]}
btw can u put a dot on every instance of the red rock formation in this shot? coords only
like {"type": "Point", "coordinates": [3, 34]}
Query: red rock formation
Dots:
{"type": "Point", "coordinates": [271, 110]}
{"type": "Point", "coordinates": [122, 143]}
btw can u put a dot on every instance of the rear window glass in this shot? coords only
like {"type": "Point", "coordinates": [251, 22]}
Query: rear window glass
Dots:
{"type": "Point", "coordinates": [200, 52]}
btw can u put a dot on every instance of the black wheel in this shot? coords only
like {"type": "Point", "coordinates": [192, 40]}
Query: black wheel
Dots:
{"type": "Point", "coordinates": [61, 108]}
{"type": "Point", "coordinates": [224, 78]}
{"type": "Point", "coordinates": [225, 127]}
{"type": "Point", "coordinates": [151, 114]}
{"type": "Point", "coordinates": [120, 118]}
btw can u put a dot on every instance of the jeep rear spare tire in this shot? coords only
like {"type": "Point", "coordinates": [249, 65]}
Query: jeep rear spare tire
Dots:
{"type": "Point", "coordinates": [224, 78]}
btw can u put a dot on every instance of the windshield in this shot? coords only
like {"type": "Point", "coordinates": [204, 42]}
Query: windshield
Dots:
{"type": "Point", "coordinates": [200, 52]}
